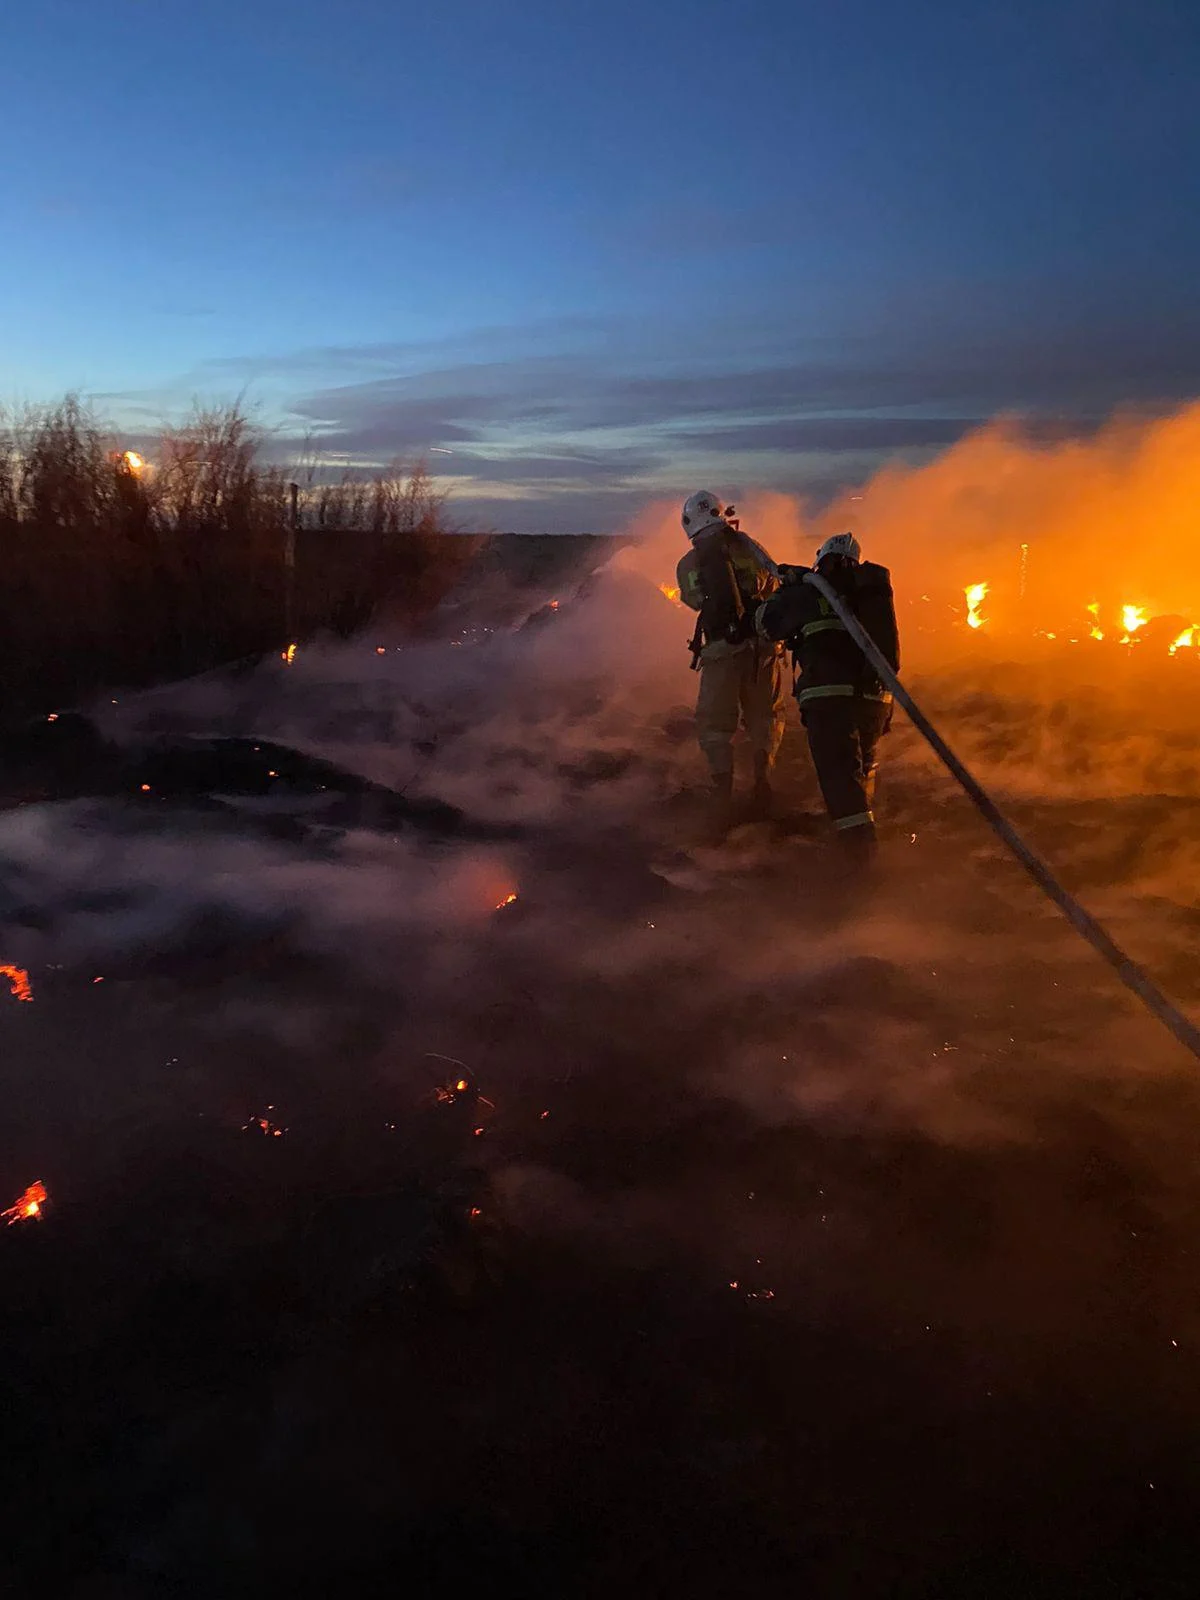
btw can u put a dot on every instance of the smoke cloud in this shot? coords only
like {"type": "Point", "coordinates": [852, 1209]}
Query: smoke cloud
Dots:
{"type": "Point", "coordinates": [714, 1101]}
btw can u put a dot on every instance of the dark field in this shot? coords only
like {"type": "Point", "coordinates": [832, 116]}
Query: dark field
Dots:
{"type": "Point", "coordinates": [782, 1240]}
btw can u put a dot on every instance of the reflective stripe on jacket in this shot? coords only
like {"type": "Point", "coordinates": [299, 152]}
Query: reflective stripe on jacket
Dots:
{"type": "Point", "coordinates": [828, 662]}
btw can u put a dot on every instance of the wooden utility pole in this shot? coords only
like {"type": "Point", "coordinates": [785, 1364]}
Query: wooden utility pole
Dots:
{"type": "Point", "coordinates": [289, 568]}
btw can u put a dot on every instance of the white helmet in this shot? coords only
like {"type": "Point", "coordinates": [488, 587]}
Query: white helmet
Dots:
{"type": "Point", "coordinates": [700, 511]}
{"type": "Point", "coordinates": [840, 544]}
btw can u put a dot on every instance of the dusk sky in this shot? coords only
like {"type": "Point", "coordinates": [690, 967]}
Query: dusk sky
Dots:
{"type": "Point", "coordinates": [604, 251]}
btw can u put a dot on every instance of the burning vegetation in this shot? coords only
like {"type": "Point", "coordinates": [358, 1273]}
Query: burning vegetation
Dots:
{"type": "Point", "coordinates": [29, 1208]}
{"type": "Point", "coordinates": [19, 985]}
{"type": "Point", "coordinates": [1130, 620]}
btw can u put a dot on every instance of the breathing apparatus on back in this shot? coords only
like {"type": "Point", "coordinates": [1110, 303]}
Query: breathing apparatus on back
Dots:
{"type": "Point", "coordinates": [724, 614]}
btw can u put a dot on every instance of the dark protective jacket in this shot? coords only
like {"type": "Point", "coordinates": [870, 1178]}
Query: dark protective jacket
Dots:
{"type": "Point", "coordinates": [725, 576]}
{"type": "Point", "coordinates": [828, 662]}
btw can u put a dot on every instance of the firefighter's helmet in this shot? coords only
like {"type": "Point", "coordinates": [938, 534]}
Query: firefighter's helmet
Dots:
{"type": "Point", "coordinates": [840, 544]}
{"type": "Point", "coordinates": [700, 511]}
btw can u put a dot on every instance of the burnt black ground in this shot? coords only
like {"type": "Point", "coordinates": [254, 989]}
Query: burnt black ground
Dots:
{"type": "Point", "coordinates": [919, 1317]}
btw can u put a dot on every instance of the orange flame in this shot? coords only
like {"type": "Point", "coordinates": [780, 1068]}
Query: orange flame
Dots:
{"type": "Point", "coordinates": [288, 656]}
{"type": "Point", "coordinates": [671, 592]}
{"type": "Point", "coordinates": [18, 982]}
{"type": "Point", "coordinates": [1096, 631]}
{"type": "Point", "coordinates": [1132, 618]}
{"type": "Point", "coordinates": [1185, 641]}
{"type": "Point", "coordinates": [29, 1207]}
{"type": "Point", "coordinates": [976, 594]}
{"type": "Point", "coordinates": [134, 463]}
{"type": "Point", "coordinates": [507, 901]}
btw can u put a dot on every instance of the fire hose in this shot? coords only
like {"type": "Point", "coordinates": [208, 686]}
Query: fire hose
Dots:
{"type": "Point", "coordinates": [1130, 974]}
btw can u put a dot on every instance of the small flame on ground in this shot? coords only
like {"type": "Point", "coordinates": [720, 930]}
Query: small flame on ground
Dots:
{"type": "Point", "coordinates": [288, 656]}
{"type": "Point", "coordinates": [1185, 641]}
{"type": "Point", "coordinates": [133, 462]}
{"type": "Point", "coordinates": [18, 982]}
{"type": "Point", "coordinates": [976, 594]}
{"type": "Point", "coordinates": [1096, 631]}
{"type": "Point", "coordinates": [29, 1207]}
{"type": "Point", "coordinates": [508, 900]}
{"type": "Point", "coordinates": [671, 592]}
{"type": "Point", "coordinates": [554, 604]}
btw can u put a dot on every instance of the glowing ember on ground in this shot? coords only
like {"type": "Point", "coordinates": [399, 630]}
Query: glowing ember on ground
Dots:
{"type": "Point", "coordinates": [554, 605]}
{"type": "Point", "coordinates": [288, 656]}
{"type": "Point", "coordinates": [29, 1207]}
{"type": "Point", "coordinates": [18, 982]}
{"type": "Point", "coordinates": [507, 901]}
{"type": "Point", "coordinates": [264, 1125]}
{"type": "Point", "coordinates": [449, 1094]}
{"type": "Point", "coordinates": [976, 594]}
{"type": "Point", "coordinates": [671, 592]}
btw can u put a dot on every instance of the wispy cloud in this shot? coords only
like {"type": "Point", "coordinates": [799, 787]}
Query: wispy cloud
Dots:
{"type": "Point", "coordinates": [579, 417]}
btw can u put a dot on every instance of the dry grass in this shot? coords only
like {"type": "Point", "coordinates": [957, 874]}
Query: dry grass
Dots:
{"type": "Point", "coordinates": [114, 575]}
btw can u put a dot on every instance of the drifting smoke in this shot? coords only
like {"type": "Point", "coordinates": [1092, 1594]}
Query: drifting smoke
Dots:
{"type": "Point", "coordinates": [577, 733]}
{"type": "Point", "coordinates": [1110, 519]}
{"type": "Point", "coordinates": [919, 1118]}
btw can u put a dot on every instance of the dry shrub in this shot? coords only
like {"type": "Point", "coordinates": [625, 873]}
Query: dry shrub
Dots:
{"type": "Point", "coordinates": [116, 576]}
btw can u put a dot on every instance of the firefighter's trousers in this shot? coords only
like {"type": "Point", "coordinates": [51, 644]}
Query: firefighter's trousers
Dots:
{"type": "Point", "coordinates": [743, 684]}
{"type": "Point", "coordinates": [843, 736]}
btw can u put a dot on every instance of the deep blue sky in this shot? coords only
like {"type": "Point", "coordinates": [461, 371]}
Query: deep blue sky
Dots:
{"type": "Point", "coordinates": [598, 249]}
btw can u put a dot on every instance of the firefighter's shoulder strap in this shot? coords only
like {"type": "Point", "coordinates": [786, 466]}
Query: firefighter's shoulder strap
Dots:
{"type": "Point", "coordinates": [723, 608]}
{"type": "Point", "coordinates": [696, 644]}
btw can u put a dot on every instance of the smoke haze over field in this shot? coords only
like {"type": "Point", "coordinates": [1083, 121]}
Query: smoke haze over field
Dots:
{"type": "Point", "coordinates": [743, 1164]}
{"type": "Point", "coordinates": [1110, 518]}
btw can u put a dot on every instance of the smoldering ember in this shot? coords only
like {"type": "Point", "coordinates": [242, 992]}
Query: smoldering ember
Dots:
{"type": "Point", "coordinates": [433, 1165]}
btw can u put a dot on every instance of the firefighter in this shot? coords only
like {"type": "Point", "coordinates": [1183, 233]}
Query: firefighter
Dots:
{"type": "Point", "coordinates": [724, 577]}
{"type": "Point", "coordinates": [844, 707]}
